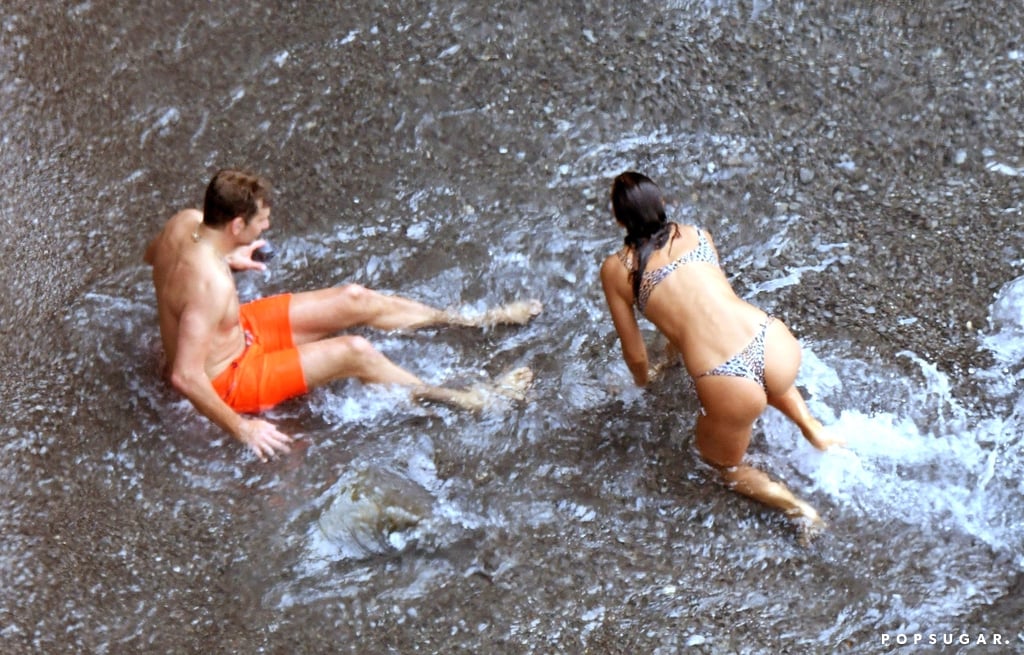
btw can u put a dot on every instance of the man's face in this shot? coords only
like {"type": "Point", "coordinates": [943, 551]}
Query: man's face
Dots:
{"type": "Point", "coordinates": [256, 226]}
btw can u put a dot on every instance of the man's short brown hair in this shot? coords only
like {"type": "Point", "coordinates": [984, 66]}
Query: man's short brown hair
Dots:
{"type": "Point", "coordinates": [234, 193]}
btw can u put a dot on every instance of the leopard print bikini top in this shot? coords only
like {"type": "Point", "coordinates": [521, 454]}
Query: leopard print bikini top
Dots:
{"type": "Point", "coordinates": [703, 253]}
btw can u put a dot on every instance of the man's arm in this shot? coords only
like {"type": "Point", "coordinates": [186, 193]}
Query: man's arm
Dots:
{"type": "Point", "coordinates": [151, 249]}
{"type": "Point", "coordinates": [188, 376]}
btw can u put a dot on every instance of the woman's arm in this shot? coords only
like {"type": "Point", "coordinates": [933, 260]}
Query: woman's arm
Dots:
{"type": "Point", "coordinates": [619, 296]}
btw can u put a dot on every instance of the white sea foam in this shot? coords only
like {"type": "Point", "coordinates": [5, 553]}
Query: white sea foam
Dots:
{"type": "Point", "coordinates": [930, 461]}
{"type": "Point", "coordinates": [1006, 337]}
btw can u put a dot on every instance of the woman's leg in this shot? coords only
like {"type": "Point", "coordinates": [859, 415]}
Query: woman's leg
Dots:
{"type": "Point", "coordinates": [792, 404]}
{"type": "Point", "coordinates": [781, 363]}
{"type": "Point", "coordinates": [732, 405]}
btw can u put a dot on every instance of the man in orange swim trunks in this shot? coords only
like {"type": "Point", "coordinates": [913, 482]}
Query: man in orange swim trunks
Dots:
{"type": "Point", "coordinates": [230, 359]}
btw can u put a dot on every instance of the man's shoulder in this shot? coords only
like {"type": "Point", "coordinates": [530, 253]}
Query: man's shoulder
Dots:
{"type": "Point", "coordinates": [175, 256]}
{"type": "Point", "coordinates": [180, 224]}
{"type": "Point", "coordinates": [188, 281]}
{"type": "Point", "coordinates": [190, 216]}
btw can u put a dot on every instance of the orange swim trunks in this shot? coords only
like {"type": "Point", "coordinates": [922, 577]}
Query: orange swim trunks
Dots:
{"type": "Point", "coordinates": [269, 370]}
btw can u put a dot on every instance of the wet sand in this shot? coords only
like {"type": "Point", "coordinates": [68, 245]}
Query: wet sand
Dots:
{"type": "Point", "coordinates": [894, 131]}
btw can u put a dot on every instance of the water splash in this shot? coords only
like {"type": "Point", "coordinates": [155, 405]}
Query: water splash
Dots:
{"type": "Point", "coordinates": [928, 460]}
{"type": "Point", "coordinates": [371, 512]}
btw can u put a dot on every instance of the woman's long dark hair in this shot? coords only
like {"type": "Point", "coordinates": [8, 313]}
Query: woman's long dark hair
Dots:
{"type": "Point", "coordinates": [637, 204]}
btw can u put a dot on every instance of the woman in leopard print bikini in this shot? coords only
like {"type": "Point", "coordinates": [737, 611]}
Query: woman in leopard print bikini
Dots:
{"type": "Point", "coordinates": [741, 359]}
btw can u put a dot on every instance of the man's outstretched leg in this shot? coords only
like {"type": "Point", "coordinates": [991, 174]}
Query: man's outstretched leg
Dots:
{"type": "Point", "coordinates": [317, 314]}
{"type": "Point", "coordinates": [512, 385]}
{"type": "Point", "coordinates": [353, 356]}
{"type": "Point", "coordinates": [513, 313]}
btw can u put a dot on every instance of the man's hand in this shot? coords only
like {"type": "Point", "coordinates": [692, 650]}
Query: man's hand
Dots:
{"type": "Point", "coordinates": [240, 259]}
{"type": "Point", "coordinates": [263, 438]}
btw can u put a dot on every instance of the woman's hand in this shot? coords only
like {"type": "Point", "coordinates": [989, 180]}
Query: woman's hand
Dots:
{"type": "Point", "coordinates": [672, 359]}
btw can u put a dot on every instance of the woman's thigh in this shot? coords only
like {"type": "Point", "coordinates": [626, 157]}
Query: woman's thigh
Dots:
{"type": "Point", "coordinates": [730, 405]}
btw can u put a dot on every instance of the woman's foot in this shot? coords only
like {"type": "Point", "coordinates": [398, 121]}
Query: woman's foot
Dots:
{"type": "Point", "coordinates": [808, 523]}
{"type": "Point", "coordinates": [819, 437]}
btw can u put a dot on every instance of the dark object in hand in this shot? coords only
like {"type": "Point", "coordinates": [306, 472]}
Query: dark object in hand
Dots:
{"type": "Point", "coordinates": [264, 253]}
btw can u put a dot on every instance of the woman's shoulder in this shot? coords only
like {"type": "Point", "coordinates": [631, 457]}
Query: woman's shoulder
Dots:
{"type": "Point", "coordinates": [693, 227]}
{"type": "Point", "coordinates": [618, 262]}
{"type": "Point", "coordinates": [625, 255]}
{"type": "Point", "coordinates": [702, 232]}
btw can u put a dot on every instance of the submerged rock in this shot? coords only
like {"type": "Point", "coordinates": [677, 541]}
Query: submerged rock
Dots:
{"type": "Point", "coordinates": [370, 508]}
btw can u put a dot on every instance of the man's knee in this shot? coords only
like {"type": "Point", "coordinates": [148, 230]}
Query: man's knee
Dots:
{"type": "Point", "coordinates": [351, 356]}
{"type": "Point", "coordinates": [353, 294]}
{"type": "Point", "coordinates": [355, 348]}
{"type": "Point", "coordinates": [721, 461]}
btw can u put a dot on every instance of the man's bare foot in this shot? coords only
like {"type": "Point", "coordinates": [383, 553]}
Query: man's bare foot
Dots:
{"type": "Point", "coordinates": [512, 385]}
{"type": "Point", "coordinates": [807, 522]}
{"type": "Point", "coordinates": [472, 399]}
{"type": "Point", "coordinates": [515, 383]}
{"type": "Point", "coordinates": [821, 438]}
{"type": "Point", "coordinates": [515, 313]}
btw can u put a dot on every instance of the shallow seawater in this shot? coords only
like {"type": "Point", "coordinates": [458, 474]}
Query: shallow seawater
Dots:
{"type": "Point", "coordinates": [461, 155]}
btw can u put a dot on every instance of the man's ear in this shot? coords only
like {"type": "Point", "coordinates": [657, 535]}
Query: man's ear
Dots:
{"type": "Point", "coordinates": [237, 225]}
